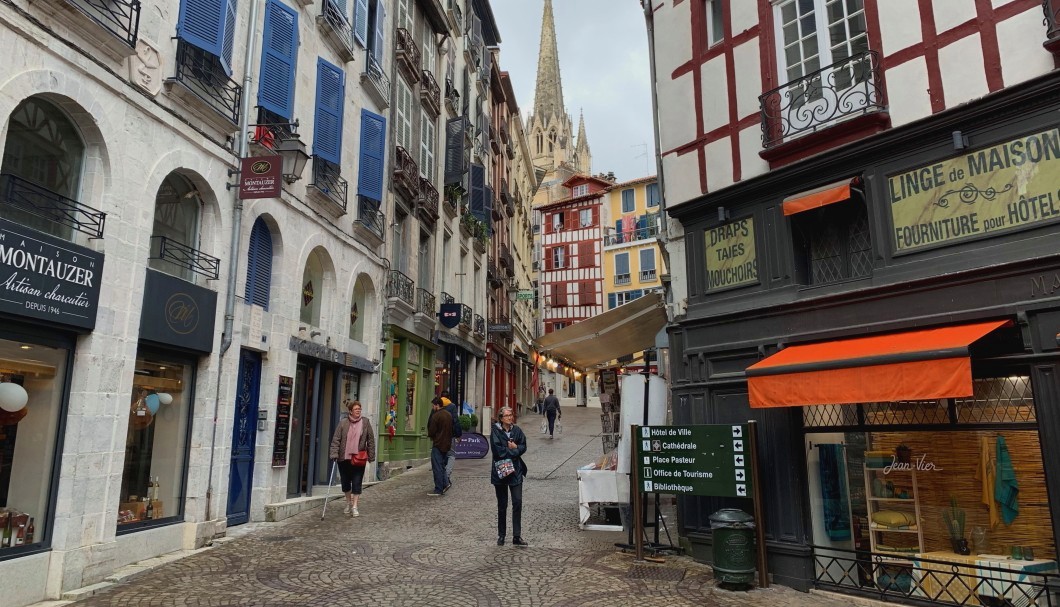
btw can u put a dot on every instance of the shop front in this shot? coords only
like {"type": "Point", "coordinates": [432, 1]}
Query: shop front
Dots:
{"type": "Point", "coordinates": [409, 376]}
{"type": "Point", "coordinates": [50, 294]}
{"type": "Point", "coordinates": [455, 360]}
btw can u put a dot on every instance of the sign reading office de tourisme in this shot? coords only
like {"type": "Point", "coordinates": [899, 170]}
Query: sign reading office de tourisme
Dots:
{"type": "Point", "coordinates": [704, 460]}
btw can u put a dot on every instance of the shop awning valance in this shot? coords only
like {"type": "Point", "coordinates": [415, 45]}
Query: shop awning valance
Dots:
{"type": "Point", "coordinates": [913, 365]}
{"type": "Point", "coordinates": [817, 197]}
{"type": "Point", "coordinates": [624, 330]}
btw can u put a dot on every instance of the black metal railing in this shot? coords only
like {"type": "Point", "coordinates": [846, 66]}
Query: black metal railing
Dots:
{"type": "Point", "coordinates": [910, 578]}
{"type": "Point", "coordinates": [271, 128]}
{"type": "Point", "coordinates": [369, 215]}
{"type": "Point", "coordinates": [401, 287]}
{"type": "Point", "coordinates": [1052, 18]}
{"type": "Point", "coordinates": [327, 181]}
{"type": "Point", "coordinates": [430, 93]}
{"type": "Point", "coordinates": [340, 29]}
{"type": "Point", "coordinates": [452, 96]}
{"type": "Point", "coordinates": [649, 231]}
{"type": "Point", "coordinates": [31, 198]}
{"type": "Point", "coordinates": [465, 316]}
{"type": "Point", "coordinates": [406, 172]}
{"type": "Point", "coordinates": [408, 55]}
{"type": "Point", "coordinates": [427, 201]}
{"type": "Point", "coordinates": [182, 255]}
{"type": "Point", "coordinates": [425, 302]}
{"type": "Point", "coordinates": [847, 88]}
{"type": "Point", "coordinates": [447, 298]}
{"type": "Point", "coordinates": [458, 13]}
{"type": "Point", "coordinates": [377, 76]}
{"type": "Point", "coordinates": [480, 326]}
{"type": "Point", "coordinates": [119, 17]}
{"type": "Point", "coordinates": [202, 74]}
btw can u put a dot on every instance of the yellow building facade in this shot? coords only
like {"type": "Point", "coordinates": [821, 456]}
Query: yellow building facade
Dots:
{"type": "Point", "coordinates": [632, 260]}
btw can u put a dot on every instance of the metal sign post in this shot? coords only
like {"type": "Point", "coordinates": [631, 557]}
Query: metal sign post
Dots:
{"type": "Point", "coordinates": [638, 506]}
{"type": "Point", "coordinates": [760, 521]}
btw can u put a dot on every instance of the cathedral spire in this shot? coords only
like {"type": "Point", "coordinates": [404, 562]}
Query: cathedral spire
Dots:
{"type": "Point", "coordinates": [548, 96]}
{"type": "Point", "coordinates": [583, 157]}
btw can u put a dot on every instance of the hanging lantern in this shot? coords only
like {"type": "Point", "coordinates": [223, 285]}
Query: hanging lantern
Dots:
{"type": "Point", "coordinates": [13, 397]}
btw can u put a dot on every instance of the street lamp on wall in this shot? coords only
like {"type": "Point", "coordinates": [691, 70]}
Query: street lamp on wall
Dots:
{"type": "Point", "coordinates": [292, 151]}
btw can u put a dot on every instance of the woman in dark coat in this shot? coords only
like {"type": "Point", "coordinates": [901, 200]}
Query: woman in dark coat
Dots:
{"type": "Point", "coordinates": [507, 441]}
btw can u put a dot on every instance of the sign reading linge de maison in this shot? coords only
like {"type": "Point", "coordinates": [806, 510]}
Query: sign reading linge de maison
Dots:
{"type": "Point", "coordinates": [48, 278]}
{"type": "Point", "coordinates": [1005, 187]}
{"type": "Point", "coordinates": [731, 257]}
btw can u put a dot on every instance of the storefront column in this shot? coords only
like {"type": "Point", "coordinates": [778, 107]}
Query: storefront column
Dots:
{"type": "Point", "coordinates": [1045, 378]}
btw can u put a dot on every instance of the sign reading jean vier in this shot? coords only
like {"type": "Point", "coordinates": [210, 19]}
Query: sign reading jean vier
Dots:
{"type": "Point", "coordinates": [731, 257]}
{"type": "Point", "coordinates": [47, 278]}
{"type": "Point", "coordinates": [1008, 186]}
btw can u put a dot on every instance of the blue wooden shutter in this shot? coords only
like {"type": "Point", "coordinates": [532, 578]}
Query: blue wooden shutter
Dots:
{"type": "Point", "coordinates": [379, 35]}
{"type": "Point", "coordinates": [488, 211]}
{"type": "Point", "coordinates": [627, 201]}
{"type": "Point", "coordinates": [653, 194]}
{"type": "Point", "coordinates": [647, 259]}
{"type": "Point", "coordinates": [202, 24]}
{"type": "Point", "coordinates": [327, 128]}
{"type": "Point", "coordinates": [455, 154]}
{"type": "Point", "coordinates": [360, 21]}
{"type": "Point", "coordinates": [478, 194]}
{"type": "Point", "coordinates": [259, 265]}
{"type": "Point", "coordinates": [279, 49]}
{"type": "Point", "coordinates": [229, 41]}
{"type": "Point", "coordinates": [622, 263]}
{"type": "Point", "coordinates": [610, 301]}
{"type": "Point", "coordinates": [373, 156]}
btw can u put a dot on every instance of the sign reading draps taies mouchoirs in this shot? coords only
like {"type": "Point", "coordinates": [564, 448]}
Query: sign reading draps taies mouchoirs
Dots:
{"type": "Point", "coordinates": [48, 278]}
{"type": "Point", "coordinates": [260, 177]}
{"type": "Point", "coordinates": [1004, 187]}
{"type": "Point", "coordinates": [731, 257]}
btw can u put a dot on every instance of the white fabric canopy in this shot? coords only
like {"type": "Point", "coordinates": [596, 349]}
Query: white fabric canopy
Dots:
{"type": "Point", "coordinates": [625, 330]}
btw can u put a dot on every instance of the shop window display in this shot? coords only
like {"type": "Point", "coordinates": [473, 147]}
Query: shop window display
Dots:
{"type": "Point", "coordinates": [32, 381]}
{"type": "Point", "coordinates": [944, 500]}
{"type": "Point", "coordinates": [156, 442]}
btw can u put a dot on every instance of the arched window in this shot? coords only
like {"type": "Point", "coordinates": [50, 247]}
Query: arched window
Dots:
{"type": "Point", "coordinates": [43, 147]}
{"type": "Point", "coordinates": [312, 290]}
{"type": "Point", "coordinates": [177, 207]}
{"type": "Point", "coordinates": [360, 309]}
{"type": "Point", "coordinates": [259, 265]}
{"type": "Point", "coordinates": [551, 140]}
{"type": "Point", "coordinates": [540, 143]}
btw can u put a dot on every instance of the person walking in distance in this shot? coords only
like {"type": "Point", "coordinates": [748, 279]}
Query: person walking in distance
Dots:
{"type": "Point", "coordinates": [552, 411]}
{"type": "Point", "coordinates": [450, 462]}
{"type": "Point", "coordinates": [440, 431]}
{"type": "Point", "coordinates": [353, 447]}
{"type": "Point", "coordinates": [508, 444]}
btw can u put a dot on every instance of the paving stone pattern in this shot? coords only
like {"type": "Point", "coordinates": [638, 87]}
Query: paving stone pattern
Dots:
{"type": "Point", "coordinates": [408, 548]}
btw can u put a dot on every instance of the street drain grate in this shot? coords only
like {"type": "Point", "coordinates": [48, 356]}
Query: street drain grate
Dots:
{"type": "Point", "coordinates": [647, 572]}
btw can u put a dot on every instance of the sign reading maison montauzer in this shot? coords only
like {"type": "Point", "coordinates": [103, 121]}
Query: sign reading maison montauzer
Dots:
{"type": "Point", "coordinates": [48, 278]}
{"type": "Point", "coordinates": [730, 254]}
{"type": "Point", "coordinates": [707, 460]}
{"type": "Point", "coordinates": [1008, 186]}
{"type": "Point", "coordinates": [260, 177]}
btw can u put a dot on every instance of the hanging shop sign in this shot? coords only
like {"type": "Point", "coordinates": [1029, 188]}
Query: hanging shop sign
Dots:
{"type": "Point", "coordinates": [501, 327]}
{"type": "Point", "coordinates": [177, 313]}
{"type": "Point", "coordinates": [47, 278]}
{"type": "Point", "coordinates": [449, 313]}
{"type": "Point", "coordinates": [525, 295]}
{"type": "Point", "coordinates": [706, 460]}
{"type": "Point", "coordinates": [731, 258]}
{"type": "Point", "coordinates": [260, 177]}
{"type": "Point", "coordinates": [472, 446]}
{"type": "Point", "coordinates": [1001, 188]}
{"type": "Point", "coordinates": [283, 422]}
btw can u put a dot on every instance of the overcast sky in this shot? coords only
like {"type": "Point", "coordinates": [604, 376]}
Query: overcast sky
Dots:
{"type": "Point", "coordinates": [603, 58]}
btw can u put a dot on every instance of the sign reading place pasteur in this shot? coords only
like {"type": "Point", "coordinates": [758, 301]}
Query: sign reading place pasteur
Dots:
{"type": "Point", "coordinates": [731, 257]}
{"type": "Point", "coordinates": [1001, 188]}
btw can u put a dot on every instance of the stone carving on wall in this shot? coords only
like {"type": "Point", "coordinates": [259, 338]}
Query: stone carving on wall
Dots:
{"type": "Point", "coordinates": [145, 67]}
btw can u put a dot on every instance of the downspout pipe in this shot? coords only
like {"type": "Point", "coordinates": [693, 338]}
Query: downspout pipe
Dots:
{"type": "Point", "coordinates": [233, 253]}
{"type": "Point", "coordinates": [664, 235]}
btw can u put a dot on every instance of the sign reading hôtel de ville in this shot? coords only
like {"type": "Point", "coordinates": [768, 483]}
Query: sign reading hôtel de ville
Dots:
{"type": "Point", "coordinates": [48, 278]}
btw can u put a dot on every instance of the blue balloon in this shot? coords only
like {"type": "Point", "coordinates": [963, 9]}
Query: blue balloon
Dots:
{"type": "Point", "coordinates": [152, 403]}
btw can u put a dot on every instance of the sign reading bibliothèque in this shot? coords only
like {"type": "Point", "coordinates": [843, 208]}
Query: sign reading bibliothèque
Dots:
{"type": "Point", "coordinates": [703, 460]}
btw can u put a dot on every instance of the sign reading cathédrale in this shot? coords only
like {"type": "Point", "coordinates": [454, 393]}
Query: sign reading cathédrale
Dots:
{"type": "Point", "coordinates": [1005, 187]}
{"type": "Point", "coordinates": [707, 460]}
{"type": "Point", "coordinates": [731, 257]}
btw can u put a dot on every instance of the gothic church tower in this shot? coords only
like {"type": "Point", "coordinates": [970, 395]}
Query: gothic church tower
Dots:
{"type": "Point", "coordinates": [551, 133]}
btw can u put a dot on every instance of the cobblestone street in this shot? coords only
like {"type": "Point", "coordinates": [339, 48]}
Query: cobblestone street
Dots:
{"type": "Point", "coordinates": [407, 548]}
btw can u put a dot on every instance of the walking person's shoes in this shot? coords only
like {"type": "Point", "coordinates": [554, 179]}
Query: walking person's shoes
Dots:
{"type": "Point", "coordinates": [354, 512]}
{"type": "Point", "coordinates": [346, 510]}
{"type": "Point", "coordinates": [447, 485]}
{"type": "Point", "coordinates": [519, 541]}
{"type": "Point", "coordinates": [434, 493]}
{"type": "Point", "coordinates": [500, 541]}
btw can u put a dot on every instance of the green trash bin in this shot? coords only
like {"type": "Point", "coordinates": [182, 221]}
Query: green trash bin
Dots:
{"type": "Point", "coordinates": [734, 547]}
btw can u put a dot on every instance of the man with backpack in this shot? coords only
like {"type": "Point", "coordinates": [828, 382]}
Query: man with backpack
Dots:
{"type": "Point", "coordinates": [552, 411]}
{"type": "Point", "coordinates": [449, 406]}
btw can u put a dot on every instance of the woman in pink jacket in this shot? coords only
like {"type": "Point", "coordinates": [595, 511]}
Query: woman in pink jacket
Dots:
{"type": "Point", "coordinates": [353, 446]}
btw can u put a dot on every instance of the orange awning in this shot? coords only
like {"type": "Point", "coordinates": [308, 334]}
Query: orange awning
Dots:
{"type": "Point", "coordinates": [818, 197]}
{"type": "Point", "coordinates": [915, 365]}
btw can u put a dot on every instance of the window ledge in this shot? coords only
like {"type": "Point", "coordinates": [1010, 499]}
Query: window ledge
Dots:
{"type": "Point", "coordinates": [827, 138]}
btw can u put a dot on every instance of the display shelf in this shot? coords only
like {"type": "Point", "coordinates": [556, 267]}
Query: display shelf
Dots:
{"type": "Point", "coordinates": [889, 499]}
{"type": "Point", "coordinates": [909, 505]}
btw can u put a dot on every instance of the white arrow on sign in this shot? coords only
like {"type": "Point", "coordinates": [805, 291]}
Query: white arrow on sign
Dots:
{"type": "Point", "coordinates": [740, 474]}
{"type": "Point", "coordinates": [741, 490]}
{"type": "Point", "coordinates": [737, 431]}
{"type": "Point", "coordinates": [737, 445]}
{"type": "Point", "coordinates": [739, 460]}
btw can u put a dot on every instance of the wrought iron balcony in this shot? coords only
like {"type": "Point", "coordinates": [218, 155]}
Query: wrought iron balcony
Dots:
{"type": "Point", "coordinates": [480, 326]}
{"type": "Point", "coordinates": [507, 261]}
{"type": "Point", "coordinates": [375, 77]}
{"type": "Point", "coordinates": [509, 150]}
{"type": "Point", "coordinates": [430, 94]}
{"type": "Point", "coordinates": [119, 17]}
{"type": "Point", "coordinates": [506, 199]}
{"type": "Point", "coordinates": [425, 303]}
{"type": "Point", "coordinates": [399, 286]}
{"type": "Point", "coordinates": [452, 98]}
{"type": "Point", "coordinates": [271, 128]}
{"type": "Point", "coordinates": [622, 279]}
{"type": "Point", "coordinates": [494, 141]}
{"type": "Point", "coordinates": [185, 257]}
{"type": "Point", "coordinates": [845, 89]}
{"type": "Point", "coordinates": [465, 316]}
{"type": "Point", "coordinates": [201, 74]}
{"type": "Point", "coordinates": [406, 173]}
{"type": "Point", "coordinates": [333, 23]}
{"type": "Point", "coordinates": [447, 298]}
{"type": "Point", "coordinates": [1052, 20]}
{"type": "Point", "coordinates": [369, 216]}
{"type": "Point", "coordinates": [493, 275]}
{"type": "Point", "coordinates": [28, 197]}
{"type": "Point", "coordinates": [407, 55]}
{"type": "Point", "coordinates": [469, 129]}
{"type": "Point", "coordinates": [647, 275]}
{"type": "Point", "coordinates": [427, 201]}
{"type": "Point", "coordinates": [649, 231]}
{"type": "Point", "coordinates": [457, 16]}
{"type": "Point", "coordinates": [329, 183]}
{"type": "Point", "coordinates": [504, 133]}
